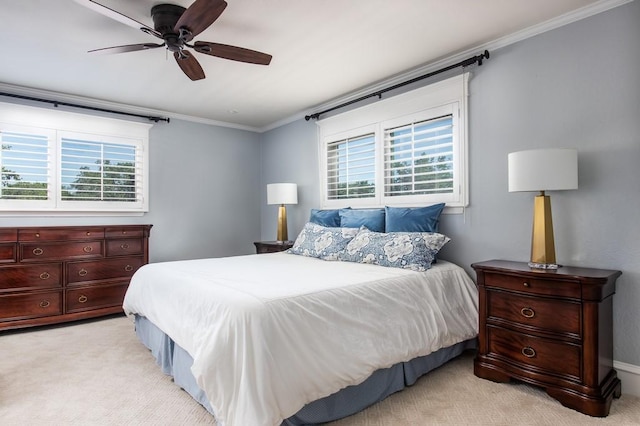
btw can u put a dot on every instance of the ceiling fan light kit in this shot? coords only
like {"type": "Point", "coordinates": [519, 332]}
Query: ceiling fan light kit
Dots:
{"type": "Point", "coordinates": [177, 26]}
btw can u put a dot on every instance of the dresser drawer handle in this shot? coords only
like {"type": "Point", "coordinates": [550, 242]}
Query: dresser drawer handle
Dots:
{"type": "Point", "coordinates": [82, 298]}
{"type": "Point", "coordinates": [82, 272]}
{"type": "Point", "coordinates": [528, 351]}
{"type": "Point", "coordinates": [526, 284]}
{"type": "Point", "coordinates": [124, 246]}
{"type": "Point", "coordinates": [88, 233]}
{"type": "Point", "coordinates": [45, 304]}
{"type": "Point", "coordinates": [128, 268]}
{"type": "Point", "coordinates": [38, 251]}
{"type": "Point", "coordinates": [45, 276]}
{"type": "Point", "coordinates": [527, 312]}
{"type": "Point", "coordinates": [87, 249]}
{"type": "Point", "coordinates": [37, 235]}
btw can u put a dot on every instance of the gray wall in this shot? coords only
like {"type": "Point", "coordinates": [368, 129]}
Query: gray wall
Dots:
{"type": "Point", "coordinates": [204, 193]}
{"type": "Point", "coordinates": [576, 86]}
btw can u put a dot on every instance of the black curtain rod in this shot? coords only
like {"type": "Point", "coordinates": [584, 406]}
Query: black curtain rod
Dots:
{"type": "Point", "coordinates": [465, 63]}
{"type": "Point", "coordinates": [110, 111]}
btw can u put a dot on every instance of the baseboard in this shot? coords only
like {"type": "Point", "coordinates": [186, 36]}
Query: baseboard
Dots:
{"type": "Point", "coordinates": [629, 374]}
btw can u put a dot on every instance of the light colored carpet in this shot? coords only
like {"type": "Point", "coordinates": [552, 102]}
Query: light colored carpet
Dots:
{"type": "Point", "coordinates": [97, 373]}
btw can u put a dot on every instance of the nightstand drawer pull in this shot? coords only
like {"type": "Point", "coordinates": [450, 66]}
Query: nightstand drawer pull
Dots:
{"type": "Point", "coordinates": [45, 276]}
{"type": "Point", "coordinates": [128, 268]}
{"type": "Point", "coordinates": [38, 251]}
{"type": "Point", "coordinates": [45, 304]}
{"type": "Point", "coordinates": [124, 246]}
{"type": "Point", "coordinates": [82, 298]}
{"type": "Point", "coordinates": [527, 312]}
{"type": "Point", "coordinates": [528, 351]}
{"type": "Point", "coordinates": [87, 249]}
{"type": "Point", "coordinates": [82, 272]}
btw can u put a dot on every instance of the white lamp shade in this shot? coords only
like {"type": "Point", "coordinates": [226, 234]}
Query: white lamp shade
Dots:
{"type": "Point", "coordinates": [282, 193]}
{"type": "Point", "coordinates": [543, 170]}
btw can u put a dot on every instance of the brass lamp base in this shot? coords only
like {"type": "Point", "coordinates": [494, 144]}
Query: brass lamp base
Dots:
{"type": "Point", "coordinates": [543, 250]}
{"type": "Point", "coordinates": [282, 224]}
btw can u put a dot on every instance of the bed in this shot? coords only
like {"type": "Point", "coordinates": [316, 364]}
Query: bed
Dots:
{"type": "Point", "coordinates": [280, 338]}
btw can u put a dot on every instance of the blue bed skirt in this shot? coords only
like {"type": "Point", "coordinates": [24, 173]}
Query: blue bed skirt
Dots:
{"type": "Point", "coordinates": [176, 362]}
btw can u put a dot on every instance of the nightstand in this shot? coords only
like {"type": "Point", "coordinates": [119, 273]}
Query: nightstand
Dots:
{"type": "Point", "coordinates": [272, 246]}
{"type": "Point", "coordinates": [549, 328]}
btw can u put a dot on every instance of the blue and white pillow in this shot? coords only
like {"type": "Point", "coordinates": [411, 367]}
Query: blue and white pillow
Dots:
{"type": "Point", "coordinates": [322, 242]}
{"type": "Point", "coordinates": [406, 250]}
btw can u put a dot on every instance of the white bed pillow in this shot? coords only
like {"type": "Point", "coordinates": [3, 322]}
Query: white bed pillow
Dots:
{"type": "Point", "coordinates": [322, 242]}
{"type": "Point", "coordinates": [406, 250]}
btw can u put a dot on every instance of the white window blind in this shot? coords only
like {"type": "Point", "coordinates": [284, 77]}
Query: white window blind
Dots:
{"type": "Point", "coordinates": [98, 171]}
{"type": "Point", "coordinates": [26, 172]}
{"type": "Point", "coordinates": [407, 150]}
{"type": "Point", "coordinates": [351, 168]}
{"type": "Point", "coordinates": [57, 161]}
{"type": "Point", "coordinates": [418, 158]}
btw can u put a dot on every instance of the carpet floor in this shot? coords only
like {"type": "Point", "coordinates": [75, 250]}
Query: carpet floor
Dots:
{"type": "Point", "coordinates": [98, 373]}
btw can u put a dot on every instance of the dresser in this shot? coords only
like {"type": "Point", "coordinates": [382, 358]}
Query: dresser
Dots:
{"type": "Point", "coordinates": [549, 328]}
{"type": "Point", "coordinates": [55, 274]}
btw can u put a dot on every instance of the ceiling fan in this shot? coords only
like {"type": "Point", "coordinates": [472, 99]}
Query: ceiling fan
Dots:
{"type": "Point", "coordinates": [177, 26]}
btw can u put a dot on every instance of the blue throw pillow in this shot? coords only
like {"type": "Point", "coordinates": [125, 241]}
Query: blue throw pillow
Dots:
{"type": "Point", "coordinates": [322, 242]}
{"type": "Point", "coordinates": [418, 219]}
{"type": "Point", "coordinates": [406, 250]}
{"type": "Point", "coordinates": [330, 218]}
{"type": "Point", "coordinates": [373, 219]}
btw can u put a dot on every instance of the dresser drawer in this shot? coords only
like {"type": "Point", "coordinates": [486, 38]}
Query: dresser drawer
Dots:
{"type": "Point", "coordinates": [60, 251]}
{"type": "Point", "coordinates": [30, 276]}
{"type": "Point", "coordinates": [7, 253]}
{"type": "Point", "coordinates": [59, 234]}
{"type": "Point", "coordinates": [539, 286]}
{"type": "Point", "coordinates": [551, 315]}
{"type": "Point", "coordinates": [125, 232]}
{"type": "Point", "coordinates": [8, 235]}
{"type": "Point", "coordinates": [30, 305]}
{"type": "Point", "coordinates": [124, 247]}
{"type": "Point", "coordinates": [95, 297]}
{"type": "Point", "coordinates": [546, 355]}
{"type": "Point", "coordinates": [102, 270]}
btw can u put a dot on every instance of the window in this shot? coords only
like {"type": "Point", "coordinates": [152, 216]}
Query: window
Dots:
{"type": "Point", "coordinates": [54, 161]}
{"type": "Point", "coordinates": [408, 150]}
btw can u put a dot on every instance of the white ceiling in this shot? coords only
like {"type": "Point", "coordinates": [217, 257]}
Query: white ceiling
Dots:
{"type": "Point", "coordinates": [322, 50]}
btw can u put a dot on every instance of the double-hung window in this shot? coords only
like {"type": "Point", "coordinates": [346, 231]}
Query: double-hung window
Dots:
{"type": "Point", "coordinates": [408, 150]}
{"type": "Point", "coordinates": [54, 161]}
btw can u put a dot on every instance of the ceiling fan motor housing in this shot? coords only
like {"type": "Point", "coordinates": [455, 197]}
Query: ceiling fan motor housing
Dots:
{"type": "Point", "coordinates": [165, 17]}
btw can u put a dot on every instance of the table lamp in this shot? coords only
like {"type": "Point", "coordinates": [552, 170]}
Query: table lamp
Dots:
{"type": "Point", "coordinates": [543, 170]}
{"type": "Point", "coordinates": [282, 193]}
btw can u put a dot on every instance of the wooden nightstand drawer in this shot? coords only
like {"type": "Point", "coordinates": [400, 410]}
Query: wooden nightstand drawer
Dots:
{"type": "Point", "coordinates": [550, 315]}
{"type": "Point", "coordinates": [531, 285]}
{"type": "Point", "coordinates": [547, 355]}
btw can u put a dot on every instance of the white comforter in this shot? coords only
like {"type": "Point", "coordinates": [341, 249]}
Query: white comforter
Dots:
{"type": "Point", "coordinates": [269, 333]}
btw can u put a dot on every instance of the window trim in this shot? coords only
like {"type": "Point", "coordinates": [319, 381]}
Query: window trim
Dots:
{"type": "Point", "coordinates": [450, 94]}
{"type": "Point", "coordinates": [63, 123]}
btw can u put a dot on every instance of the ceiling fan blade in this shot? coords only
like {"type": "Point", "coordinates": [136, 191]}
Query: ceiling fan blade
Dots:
{"type": "Point", "coordinates": [198, 17]}
{"type": "Point", "coordinates": [189, 65]}
{"type": "Point", "coordinates": [127, 48]}
{"type": "Point", "coordinates": [113, 14]}
{"type": "Point", "coordinates": [232, 52]}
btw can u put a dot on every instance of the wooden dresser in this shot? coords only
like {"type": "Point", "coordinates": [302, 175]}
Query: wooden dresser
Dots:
{"type": "Point", "coordinates": [56, 274]}
{"type": "Point", "coordinates": [549, 328]}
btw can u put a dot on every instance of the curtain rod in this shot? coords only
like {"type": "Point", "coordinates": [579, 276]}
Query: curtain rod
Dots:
{"type": "Point", "coordinates": [465, 63]}
{"type": "Point", "coordinates": [57, 103]}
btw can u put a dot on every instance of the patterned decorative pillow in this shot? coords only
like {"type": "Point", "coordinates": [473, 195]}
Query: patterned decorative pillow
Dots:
{"type": "Point", "coordinates": [407, 250]}
{"type": "Point", "coordinates": [322, 242]}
